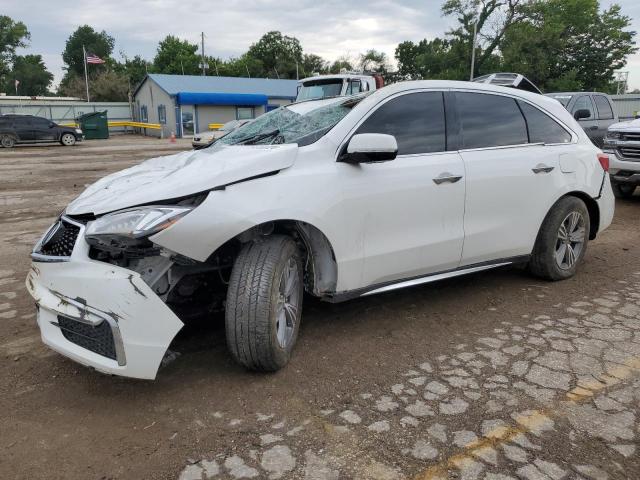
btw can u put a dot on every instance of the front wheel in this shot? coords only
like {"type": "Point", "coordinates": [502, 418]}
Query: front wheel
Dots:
{"type": "Point", "coordinates": [8, 141]}
{"type": "Point", "coordinates": [68, 139]}
{"type": "Point", "coordinates": [562, 240]}
{"type": "Point", "coordinates": [622, 190]}
{"type": "Point", "coordinates": [264, 303]}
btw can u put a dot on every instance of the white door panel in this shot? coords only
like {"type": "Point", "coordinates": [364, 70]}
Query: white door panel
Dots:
{"type": "Point", "coordinates": [412, 225]}
{"type": "Point", "coordinates": [507, 201]}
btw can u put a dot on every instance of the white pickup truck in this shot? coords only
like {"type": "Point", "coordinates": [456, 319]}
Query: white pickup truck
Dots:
{"type": "Point", "coordinates": [622, 143]}
{"type": "Point", "coordinates": [339, 85]}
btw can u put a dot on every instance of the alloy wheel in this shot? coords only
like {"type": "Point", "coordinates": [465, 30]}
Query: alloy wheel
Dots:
{"type": "Point", "coordinates": [288, 303]}
{"type": "Point", "coordinates": [571, 238]}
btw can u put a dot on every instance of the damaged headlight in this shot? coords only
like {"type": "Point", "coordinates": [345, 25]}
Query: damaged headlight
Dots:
{"type": "Point", "coordinates": [136, 223]}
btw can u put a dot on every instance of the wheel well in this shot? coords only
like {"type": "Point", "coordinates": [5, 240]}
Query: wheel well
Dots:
{"type": "Point", "coordinates": [594, 211]}
{"type": "Point", "coordinates": [320, 270]}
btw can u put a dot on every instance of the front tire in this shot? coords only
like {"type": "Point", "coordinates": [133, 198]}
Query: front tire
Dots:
{"type": "Point", "coordinates": [264, 303]}
{"type": "Point", "coordinates": [622, 190]}
{"type": "Point", "coordinates": [68, 140]}
{"type": "Point", "coordinates": [562, 240]}
{"type": "Point", "coordinates": [8, 141]}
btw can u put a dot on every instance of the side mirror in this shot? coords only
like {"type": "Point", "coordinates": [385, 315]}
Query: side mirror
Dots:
{"type": "Point", "coordinates": [582, 113]}
{"type": "Point", "coordinates": [51, 124]}
{"type": "Point", "coordinates": [370, 148]}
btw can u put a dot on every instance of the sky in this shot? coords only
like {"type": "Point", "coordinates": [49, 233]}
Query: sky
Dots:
{"type": "Point", "coordinates": [329, 28]}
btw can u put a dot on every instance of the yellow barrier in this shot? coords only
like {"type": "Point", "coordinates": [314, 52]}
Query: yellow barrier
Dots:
{"type": "Point", "coordinates": [124, 123]}
{"type": "Point", "coordinates": [215, 126]}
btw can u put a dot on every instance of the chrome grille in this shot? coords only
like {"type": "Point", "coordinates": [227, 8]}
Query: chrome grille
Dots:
{"type": "Point", "coordinates": [630, 137]}
{"type": "Point", "coordinates": [630, 152]}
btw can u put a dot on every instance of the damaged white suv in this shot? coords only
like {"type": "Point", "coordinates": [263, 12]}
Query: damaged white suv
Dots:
{"type": "Point", "coordinates": [340, 198]}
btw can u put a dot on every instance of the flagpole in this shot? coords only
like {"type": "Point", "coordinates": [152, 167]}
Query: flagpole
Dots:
{"type": "Point", "coordinates": [86, 77]}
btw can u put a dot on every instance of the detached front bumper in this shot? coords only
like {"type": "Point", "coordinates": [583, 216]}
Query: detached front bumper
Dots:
{"type": "Point", "coordinates": [101, 315]}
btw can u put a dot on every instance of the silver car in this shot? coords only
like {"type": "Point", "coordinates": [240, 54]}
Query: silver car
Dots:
{"type": "Point", "coordinates": [204, 139]}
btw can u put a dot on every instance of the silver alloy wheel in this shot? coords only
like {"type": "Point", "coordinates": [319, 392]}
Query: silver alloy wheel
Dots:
{"type": "Point", "coordinates": [8, 141]}
{"type": "Point", "coordinates": [68, 139]}
{"type": "Point", "coordinates": [571, 238]}
{"type": "Point", "coordinates": [288, 303]}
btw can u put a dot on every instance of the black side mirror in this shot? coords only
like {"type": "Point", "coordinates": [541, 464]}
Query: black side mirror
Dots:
{"type": "Point", "coordinates": [51, 124]}
{"type": "Point", "coordinates": [582, 113]}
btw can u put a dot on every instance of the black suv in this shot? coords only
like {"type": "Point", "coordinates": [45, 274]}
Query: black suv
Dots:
{"type": "Point", "coordinates": [29, 129]}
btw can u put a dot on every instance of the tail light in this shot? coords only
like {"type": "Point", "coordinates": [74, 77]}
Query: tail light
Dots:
{"type": "Point", "coordinates": [604, 161]}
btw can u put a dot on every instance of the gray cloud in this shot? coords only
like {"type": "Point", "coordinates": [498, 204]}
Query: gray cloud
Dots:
{"type": "Point", "coordinates": [329, 28]}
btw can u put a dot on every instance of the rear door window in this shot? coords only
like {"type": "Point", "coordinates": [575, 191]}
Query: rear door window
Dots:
{"type": "Point", "coordinates": [490, 120]}
{"type": "Point", "coordinates": [604, 107]}
{"type": "Point", "coordinates": [542, 128]}
{"type": "Point", "coordinates": [416, 120]}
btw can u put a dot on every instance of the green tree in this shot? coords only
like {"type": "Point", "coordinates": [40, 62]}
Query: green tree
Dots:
{"type": "Point", "coordinates": [32, 74]}
{"type": "Point", "coordinates": [373, 60]}
{"type": "Point", "coordinates": [134, 69]}
{"type": "Point", "coordinates": [278, 54]}
{"type": "Point", "coordinates": [341, 63]}
{"type": "Point", "coordinates": [106, 86]}
{"type": "Point", "coordinates": [311, 64]}
{"type": "Point", "coordinates": [569, 44]}
{"type": "Point", "coordinates": [97, 43]}
{"type": "Point", "coordinates": [177, 56]}
{"type": "Point", "coordinates": [12, 35]}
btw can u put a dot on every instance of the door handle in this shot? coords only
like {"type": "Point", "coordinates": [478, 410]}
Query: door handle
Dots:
{"type": "Point", "coordinates": [542, 168]}
{"type": "Point", "coordinates": [446, 177]}
{"type": "Point", "coordinates": [593, 127]}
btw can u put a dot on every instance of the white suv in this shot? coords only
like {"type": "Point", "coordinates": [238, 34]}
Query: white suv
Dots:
{"type": "Point", "coordinates": [342, 197]}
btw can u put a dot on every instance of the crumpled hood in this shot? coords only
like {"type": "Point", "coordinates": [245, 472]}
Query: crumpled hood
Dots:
{"type": "Point", "coordinates": [633, 125]}
{"type": "Point", "coordinates": [180, 175]}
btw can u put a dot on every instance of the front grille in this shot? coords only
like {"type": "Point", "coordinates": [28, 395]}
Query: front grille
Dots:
{"type": "Point", "coordinates": [97, 339]}
{"type": "Point", "coordinates": [630, 152]}
{"type": "Point", "coordinates": [62, 241]}
{"type": "Point", "coordinates": [630, 137]}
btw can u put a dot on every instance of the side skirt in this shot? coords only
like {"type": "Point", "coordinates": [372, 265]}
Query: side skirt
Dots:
{"type": "Point", "coordinates": [432, 277]}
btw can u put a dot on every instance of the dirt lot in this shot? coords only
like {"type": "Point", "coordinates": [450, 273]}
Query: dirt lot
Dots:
{"type": "Point", "coordinates": [492, 376]}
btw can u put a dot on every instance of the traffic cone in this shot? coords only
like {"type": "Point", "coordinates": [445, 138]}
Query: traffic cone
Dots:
{"type": "Point", "coordinates": [172, 138]}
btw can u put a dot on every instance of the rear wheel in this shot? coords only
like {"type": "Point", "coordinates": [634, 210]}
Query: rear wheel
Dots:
{"type": "Point", "coordinates": [622, 190]}
{"type": "Point", "coordinates": [264, 303]}
{"type": "Point", "coordinates": [68, 139]}
{"type": "Point", "coordinates": [562, 240]}
{"type": "Point", "coordinates": [8, 141]}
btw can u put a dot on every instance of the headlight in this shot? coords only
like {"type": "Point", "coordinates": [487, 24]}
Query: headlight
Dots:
{"type": "Point", "coordinates": [136, 223]}
{"type": "Point", "coordinates": [78, 131]}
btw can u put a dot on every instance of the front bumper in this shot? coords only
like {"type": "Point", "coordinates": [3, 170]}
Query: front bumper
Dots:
{"type": "Point", "coordinates": [624, 170]}
{"type": "Point", "coordinates": [88, 293]}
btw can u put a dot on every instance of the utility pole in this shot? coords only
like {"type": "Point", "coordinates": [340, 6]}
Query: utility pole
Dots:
{"type": "Point", "coordinates": [473, 51]}
{"type": "Point", "coordinates": [86, 77]}
{"type": "Point", "coordinates": [202, 40]}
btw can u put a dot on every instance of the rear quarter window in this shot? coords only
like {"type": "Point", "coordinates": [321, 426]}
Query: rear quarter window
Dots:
{"type": "Point", "coordinates": [542, 128]}
{"type": "Point", "coordinates": [604, 107]}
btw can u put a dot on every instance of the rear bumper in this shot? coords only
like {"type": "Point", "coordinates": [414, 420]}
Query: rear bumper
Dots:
{"type": "Point", "coordinates": [87, 293]}
{"type": "Point", "coordinates": [606, 205]}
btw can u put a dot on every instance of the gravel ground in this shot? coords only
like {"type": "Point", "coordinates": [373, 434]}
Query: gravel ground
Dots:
{"type": "Point", "coordinates": [492, 376]}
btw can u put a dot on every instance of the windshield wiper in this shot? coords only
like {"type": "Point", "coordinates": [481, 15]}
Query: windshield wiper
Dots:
{"type": "Point", "coordinates": [257, 137]}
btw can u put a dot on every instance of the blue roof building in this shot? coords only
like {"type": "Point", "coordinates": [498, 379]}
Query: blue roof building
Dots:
{"type": "Point", "coordinates": [187, 104]}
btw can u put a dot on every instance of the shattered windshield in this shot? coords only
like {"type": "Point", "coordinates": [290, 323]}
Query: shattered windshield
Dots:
{"type": "Point", "coordinates": [301, 123]}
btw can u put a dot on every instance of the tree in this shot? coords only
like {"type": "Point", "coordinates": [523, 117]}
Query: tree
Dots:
{"type": "Point", "coordinates": [177, 56]}
{"type": "Point", "coordinates": [279, 55]}
{"type": "Point", "coordinates": [98, 43]}
{"type": "Point", "coordinates": [569, 44]}
{"type": "Point", "coordinates": [312, 64]}
{"type": "Point", "coordinates": [373, 60]}
{"type": "Point", "coordinates": [134, 69]}
{"type": "Point", "coordinates": [12, 35]}
{"type": "Point", "coordinates": [107, 86]}
{"type": "Point", "coordinates": [342, 63]}
{"type": "Point", "coordinates": [32, 74]}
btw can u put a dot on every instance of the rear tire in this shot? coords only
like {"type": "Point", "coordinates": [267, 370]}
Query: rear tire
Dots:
{"type": "Point", "coordinates": [68, 140]}
{"type": "Point", "coordinates": [562, 240]}
{"type": "Point", "coordinates": [8, 141]}
{"type": "Point", "coordinates": [622, 190]}
{"type": "Point", "coordinates": [264, 303]}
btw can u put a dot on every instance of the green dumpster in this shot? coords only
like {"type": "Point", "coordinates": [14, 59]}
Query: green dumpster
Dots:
{"type": "Point", "coordinates": [94, 125]}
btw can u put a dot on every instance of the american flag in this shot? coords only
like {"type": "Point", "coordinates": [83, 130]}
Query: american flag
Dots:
{"type": "Point", "coordinates": [93, 58]}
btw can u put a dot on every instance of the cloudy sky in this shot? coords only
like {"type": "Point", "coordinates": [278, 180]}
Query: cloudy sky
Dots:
{"type": "Point", "coordinates": [329, 28]}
